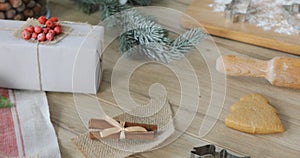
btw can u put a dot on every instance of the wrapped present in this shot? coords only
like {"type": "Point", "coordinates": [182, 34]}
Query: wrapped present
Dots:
{"type": "Point", "coordinates": [72, 64]}
{"type": "Point", "coordinates": [109, 128]}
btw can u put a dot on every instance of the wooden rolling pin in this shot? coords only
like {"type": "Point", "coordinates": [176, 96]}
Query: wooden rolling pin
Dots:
{"type": "Point", "coordinates": [280, 71]}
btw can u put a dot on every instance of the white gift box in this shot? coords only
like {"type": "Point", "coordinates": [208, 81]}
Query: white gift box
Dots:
{"type": "Point", "coordinates": [70, 65]}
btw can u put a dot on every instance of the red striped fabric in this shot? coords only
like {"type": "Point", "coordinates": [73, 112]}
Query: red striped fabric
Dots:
{"type": "Point", "coordinates": [8, 143]}
{"type": "Point", "coordinates": [20, 137]}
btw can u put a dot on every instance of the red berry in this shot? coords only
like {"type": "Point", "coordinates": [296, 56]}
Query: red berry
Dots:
{"type": "Point", "coordinates": [57, 25]}
{"type": "Point", "coordinates": [52, 31]}
{"type": "Point", "coordinates": [50, 36]}
{"type": "Point", "coordinates": [26, 35]}
{"type": "Point", "coordinates": [41, 37]}
{"type": "Point", "coordinates": [46, 30]}
{"type": "Point", "coordinates": [42, 20]}
{"type": "Point", "coordinates": [57, 30]}
{"type": "Point", "coordinates": [30, 29]}
{"type": "Point", "coordinates": [38, 29]}
{"type": "Point", "coordinates": [49, 23]}
{"type": "Point", "coordinates": [54, 19]}
{"type": "Point", "coordinates": [34, 35]}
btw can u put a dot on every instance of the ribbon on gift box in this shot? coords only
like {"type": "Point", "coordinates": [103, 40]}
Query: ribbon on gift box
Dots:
{"type": "Point", "coordinates": [118, 128]}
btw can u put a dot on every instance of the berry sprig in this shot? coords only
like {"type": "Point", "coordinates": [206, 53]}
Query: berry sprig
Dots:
{"type": "Point", "coordinates": [49, 29]}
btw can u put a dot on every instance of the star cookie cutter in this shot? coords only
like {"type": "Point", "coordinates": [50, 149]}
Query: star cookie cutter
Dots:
{"type": "Point", "coordinates": [209, 151]}
{"type": "Point", "coordinates": [292, 14]}
{"type": "Point", "coordinates": [238, 10]}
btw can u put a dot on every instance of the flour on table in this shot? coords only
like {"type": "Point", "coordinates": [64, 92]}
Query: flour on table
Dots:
{"type": "Point", "coordinates": [268, 16]}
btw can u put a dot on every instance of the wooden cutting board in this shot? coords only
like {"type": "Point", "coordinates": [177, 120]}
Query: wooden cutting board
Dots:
{"type": "Point", "coordinates": [216, 24]}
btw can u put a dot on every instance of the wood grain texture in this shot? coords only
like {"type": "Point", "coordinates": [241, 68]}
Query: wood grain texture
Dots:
{"type": "Point", "coordinates": [216, 24]}
{"type": "Point", "coordinates": [241, 66]}
{"type": "Point", "coordinates": [279, 71]}
{"type": "Point", "coordinates": [68, 123]}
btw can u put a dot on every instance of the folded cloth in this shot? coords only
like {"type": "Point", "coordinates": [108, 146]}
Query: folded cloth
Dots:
{"type": "Point", "coordinates": [26, 129]}
{"type": "Point", "coordinates": [157, 112]}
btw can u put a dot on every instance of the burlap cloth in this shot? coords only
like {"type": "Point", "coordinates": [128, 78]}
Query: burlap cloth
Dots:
{"type": "Point", "coordinates": [157, 111]}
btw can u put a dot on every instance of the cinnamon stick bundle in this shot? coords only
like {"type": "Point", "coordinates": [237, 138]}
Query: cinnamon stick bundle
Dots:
{"type": "Point", "coordinates": [102, 124]}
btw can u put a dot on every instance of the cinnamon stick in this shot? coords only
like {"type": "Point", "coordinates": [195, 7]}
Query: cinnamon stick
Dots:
{"type": "Point", "coordinates": [128, 135]}
{"type": "Point", "coordinates": [102, 124]}
{"type": "Point", "coordinates": [99, 124]}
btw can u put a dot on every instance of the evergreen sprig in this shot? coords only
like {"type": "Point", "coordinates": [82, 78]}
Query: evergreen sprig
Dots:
{"type": "Point", "coordinates": [188, 40]}
{"type": "Point", "coordinates": [111, 7]}
{"type": "Point", "coordinates": [140, 30]}
{"type": "Point", "coordinates": [5, 102]}
{"type": "Point", "coordinates": [142, 34]}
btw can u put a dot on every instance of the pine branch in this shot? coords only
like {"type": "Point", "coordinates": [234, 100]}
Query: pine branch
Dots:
{"type": "Point", "coordinates": [155, 51]}
{"type": "Point", "coordinates": [188, 40]}
{"type": "Point", "coordinates": [140, 30]}
{"type": "Point", "coordinates": [5, 103]}
{"type": "Point", "coordinates": [141, 37]}
{"type": "Point", "coordinates": [161, 53]}
{"type": "Point", "coordinates": [111, 7]}
{"type": "Point", "coordinates": [144, 36]}
{"type": "Point", "coordinates": [127, 41]}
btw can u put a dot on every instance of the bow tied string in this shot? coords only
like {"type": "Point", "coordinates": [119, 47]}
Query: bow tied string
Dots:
{"type": "Point", "coordinates": [119, 128]}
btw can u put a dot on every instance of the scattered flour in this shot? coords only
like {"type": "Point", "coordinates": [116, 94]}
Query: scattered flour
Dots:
{"type": "Point", "coordinates": [268, 15]}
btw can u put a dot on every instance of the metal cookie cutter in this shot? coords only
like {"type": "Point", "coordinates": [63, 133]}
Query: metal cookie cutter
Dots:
{"type": "Point", "coordinates": [238, 10]}
{"type": "Point", "coordinates": [292, 14]}
{"type": "Point", "coordinates": [209, 151]}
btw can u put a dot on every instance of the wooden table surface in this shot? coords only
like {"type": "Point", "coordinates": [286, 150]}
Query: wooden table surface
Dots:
{"type": "Point", "coordinates": [68, 124]}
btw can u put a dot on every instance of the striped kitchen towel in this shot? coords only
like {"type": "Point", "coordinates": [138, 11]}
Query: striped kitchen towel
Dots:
{"type": "Point", "coordinates": [26, 129]}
